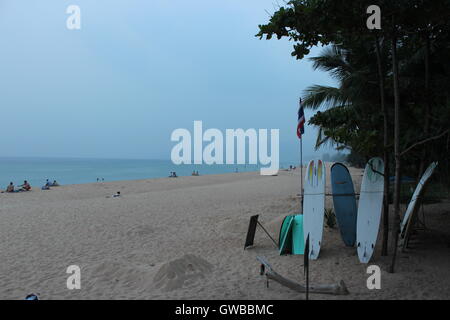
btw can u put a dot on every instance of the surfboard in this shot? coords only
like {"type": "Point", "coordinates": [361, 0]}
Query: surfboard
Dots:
{"type": "Point", "coordinates": [413, 204]}
{"type": "Point", "coordinates": [285, 239]}
{"type": "Point", "coordinates": [298, 243]}
{"type": "Point", "coordinates": [314, 206]}
{"type": "Point", "coordinates": [369, 209]}
{"type": "Point", "coordinates": [344, 201]}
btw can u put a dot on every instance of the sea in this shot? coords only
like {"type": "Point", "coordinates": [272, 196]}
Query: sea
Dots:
{"type": "Point", "coordinates": [80, 171]}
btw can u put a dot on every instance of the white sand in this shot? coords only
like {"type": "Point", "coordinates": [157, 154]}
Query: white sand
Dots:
{"type": "Point", "coordinates": [183, 239]}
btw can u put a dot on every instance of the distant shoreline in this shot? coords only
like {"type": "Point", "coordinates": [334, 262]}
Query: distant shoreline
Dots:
{"type": "Point", "coordinates": [218, 175]}
{"type": "Point", "coordinates": [84, 171]}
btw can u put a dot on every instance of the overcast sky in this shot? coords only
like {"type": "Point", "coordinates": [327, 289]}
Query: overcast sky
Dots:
{"type": "Point", "coordinates": [139, 69]}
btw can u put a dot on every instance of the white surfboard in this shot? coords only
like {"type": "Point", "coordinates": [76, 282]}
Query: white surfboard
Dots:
{"type": "Point", "coordinates": [412, 206]}
{"type": "Point", "coordinates": [314, 206]}
{"type": "Point", "coordinates": [369, 209]}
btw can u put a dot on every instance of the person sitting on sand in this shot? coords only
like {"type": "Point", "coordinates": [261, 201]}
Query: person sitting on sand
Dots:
{"type": "Point", "coordinates": [55, 184]}
{"type": "Point", "coordinates": [26, 186]}
{"type": "Point", "coordinates": [117, 194]}
{"type": "Point", "coordinates": [46, 186]}
{"type": "Point", "coordinates": [10, 187]}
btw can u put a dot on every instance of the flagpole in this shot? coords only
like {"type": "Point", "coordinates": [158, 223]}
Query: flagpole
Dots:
{"type": "Point", "coordinates": [301, 117]}
{"type": "Point", "coordinates": [301, 173]}
{"type": "Point", "coordinates": [302, 120]}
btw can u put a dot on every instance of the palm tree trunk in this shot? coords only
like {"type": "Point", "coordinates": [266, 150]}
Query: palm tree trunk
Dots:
{"type": "Point", "coordinates": [396, 225]}
{"type": "Point", "coordinates": [384, 250]}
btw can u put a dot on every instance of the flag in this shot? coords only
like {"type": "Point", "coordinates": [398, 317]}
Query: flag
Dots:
{"type": "Point", "coordinates": [301, 121]}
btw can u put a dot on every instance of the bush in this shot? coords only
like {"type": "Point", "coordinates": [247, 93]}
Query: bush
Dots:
{"type": "Point", "coordinates": [330, 218]}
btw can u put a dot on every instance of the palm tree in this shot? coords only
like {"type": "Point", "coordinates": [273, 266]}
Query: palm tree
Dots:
{"type": "Point", "coordinates": [347, 107]}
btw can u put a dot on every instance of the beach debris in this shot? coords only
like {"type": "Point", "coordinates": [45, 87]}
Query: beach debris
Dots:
{"type": "Point", "coordinates": [333, 289]}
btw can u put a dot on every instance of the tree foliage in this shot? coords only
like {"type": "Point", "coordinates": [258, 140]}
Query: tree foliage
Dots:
{"type": "Point", "coordinates": [393, 93]}
{"type": "Point", "coordinates": [349, 115]}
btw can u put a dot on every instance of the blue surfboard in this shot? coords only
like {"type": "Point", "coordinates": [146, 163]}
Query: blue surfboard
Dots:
{"type": "Point", "coordinates": [344, 201]}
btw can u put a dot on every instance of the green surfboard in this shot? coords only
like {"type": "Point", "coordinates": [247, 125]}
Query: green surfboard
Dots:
{"type": "Point", "coordinates": [298, 242]}
{"type": "Point", "coordinates": [291, 236]}
{"type": "Point", "coordinates": [285, 239]}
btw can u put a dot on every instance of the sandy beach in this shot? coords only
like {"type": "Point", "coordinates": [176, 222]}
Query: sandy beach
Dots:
{"type": "Point", "coordinates": [183, 239]}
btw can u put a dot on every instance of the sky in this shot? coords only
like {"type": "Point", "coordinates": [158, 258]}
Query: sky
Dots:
{"type": "Point", "coordinates": [139, 69]}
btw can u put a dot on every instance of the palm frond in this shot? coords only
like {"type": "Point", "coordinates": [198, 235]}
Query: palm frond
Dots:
{"type": "Point", "coordinates": [317, 96]}
{"type": "Point", "coordinates": [333, 60]}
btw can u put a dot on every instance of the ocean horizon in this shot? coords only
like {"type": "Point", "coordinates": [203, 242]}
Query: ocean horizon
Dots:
{"type": "Point", "coordinates": [86, 170]}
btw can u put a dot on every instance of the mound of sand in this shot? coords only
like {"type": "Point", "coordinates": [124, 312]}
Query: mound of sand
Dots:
{"type": "Point", "coordinates": [179, 272]}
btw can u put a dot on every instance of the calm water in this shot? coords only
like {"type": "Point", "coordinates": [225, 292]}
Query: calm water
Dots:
{"type": "Point", "coordinates": [77, 171]}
